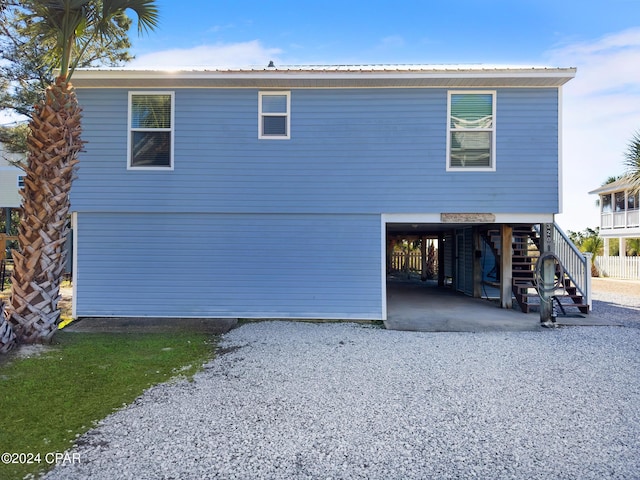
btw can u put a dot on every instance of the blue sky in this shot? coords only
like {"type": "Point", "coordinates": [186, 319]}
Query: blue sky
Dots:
{"type": "Point", "coordinates": [599, 37]}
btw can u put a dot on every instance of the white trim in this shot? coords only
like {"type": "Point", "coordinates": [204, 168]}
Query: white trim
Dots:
{"type": "Point", "coordinates": [492, 130]}
{"type": "Point", "coordinates": [434, 218]}
{"type": "Point", "coordinates": [171, 130]}
{"type": "Point", "coordinates": [560, 157]}
{"type": "Point", "coordinates": [74, 266]}
{"type": "Point", "coordinates": [330, 77]}
{"type": "Point", "coordinates": [287, 115]}
{"type": "Point", "coordinates": [383, 265]}
{"type": "Point", "coordinates": [410, 218]}
{"type": "Point", "coordinates": [310, 316]}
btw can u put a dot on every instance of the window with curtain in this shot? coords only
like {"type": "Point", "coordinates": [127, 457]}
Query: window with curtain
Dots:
{"type": "Point", "coordinates": [471, 131]}
{"type": "Point", "coordinates": [151, 130]}
{"type": "Point", "coordinates": [274, 115]}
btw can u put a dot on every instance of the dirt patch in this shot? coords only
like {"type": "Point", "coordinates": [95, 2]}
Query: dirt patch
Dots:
{"type": "Point", "coordinates": [65, 303]}
{"type": "Point", "coordinates": [613, 285]}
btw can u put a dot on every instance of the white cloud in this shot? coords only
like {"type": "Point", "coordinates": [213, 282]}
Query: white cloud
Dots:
{"type": "Point", "coordinates": [221, 55]}
{"type": "Point", "coordinates": [601, 111]}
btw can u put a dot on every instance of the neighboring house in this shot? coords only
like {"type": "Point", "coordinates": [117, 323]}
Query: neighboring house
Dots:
{"type": "Point", "coordinates": [619, 211]}
{"type": "Point", "coordinates": [11, 179]}
{"type": "Point", "coordinates": [274, 193]}
{"type": "Point", "coordinates": [619, 219]}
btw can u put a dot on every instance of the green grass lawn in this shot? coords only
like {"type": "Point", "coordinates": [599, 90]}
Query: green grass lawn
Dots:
{"type": "Point", "coordinates": [50, 398]}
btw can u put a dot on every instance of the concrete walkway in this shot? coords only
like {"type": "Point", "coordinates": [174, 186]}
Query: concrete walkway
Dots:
{"type": "Point", "coordinates": [424, 307]}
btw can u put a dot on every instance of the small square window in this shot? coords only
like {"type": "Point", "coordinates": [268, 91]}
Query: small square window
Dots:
{"type": "Point", "coordinates": [471, 131]}
{"type": "Point", "coordinates": [274, 115]}
{"type": "Point", "coordinates": [151, 130]}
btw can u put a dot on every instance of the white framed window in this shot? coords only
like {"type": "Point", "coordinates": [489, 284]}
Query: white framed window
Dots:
{"type": "Point", "coordinates": [151, 128]}
{"type": "Point", "coordinates": [274, 115]}
{"type": "Point", "coordinates": [471, 139]}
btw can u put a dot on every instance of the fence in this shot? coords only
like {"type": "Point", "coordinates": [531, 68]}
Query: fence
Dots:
{"type": "Point", "coordinates": [626, 268]}
{"type": "Point", "coordinates": [399, 259]}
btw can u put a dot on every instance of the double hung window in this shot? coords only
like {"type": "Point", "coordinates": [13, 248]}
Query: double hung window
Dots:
{"type": "Point", "coordinates": [274, 115]}
{"type": "Point", "coordinates": [151, 130]}
{"type": "Point", "coordinates": [471, 131]}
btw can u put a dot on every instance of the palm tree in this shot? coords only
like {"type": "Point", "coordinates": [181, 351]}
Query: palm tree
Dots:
{"type": "Point", "coordinates": [53, 147]}
{"type": "Point", "coordinates": [632, 162]}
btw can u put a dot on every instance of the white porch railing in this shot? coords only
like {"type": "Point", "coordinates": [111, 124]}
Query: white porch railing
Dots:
{"type": "Point", "coordinates": [626, 268]}
{"type": "Point", "coordinates": [577, 265]}
{"type": "Point", "coordinates": [624, 219]}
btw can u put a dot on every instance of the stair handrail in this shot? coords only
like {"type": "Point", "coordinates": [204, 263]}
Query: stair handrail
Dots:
{"type": "Point", "coordinates": [577, 265]}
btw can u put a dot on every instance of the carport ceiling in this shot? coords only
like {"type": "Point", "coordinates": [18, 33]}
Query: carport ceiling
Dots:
{"type": "Point", "coordinates": [430, 229]}
{"type": "Point", "coordinates": [420, 229]}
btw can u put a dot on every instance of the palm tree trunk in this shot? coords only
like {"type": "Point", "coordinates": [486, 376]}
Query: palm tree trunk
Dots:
{"type": "Point", "coordinates": [7, 337]}
{"type": "Point", "coordinates": [54, 144]}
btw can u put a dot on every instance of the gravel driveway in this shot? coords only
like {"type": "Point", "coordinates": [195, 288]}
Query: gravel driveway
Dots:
{"type": "Point", "coordinates": [319, 401]}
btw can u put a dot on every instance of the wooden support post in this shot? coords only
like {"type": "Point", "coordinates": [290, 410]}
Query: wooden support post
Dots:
{"type": "Point", "coordinates": [423, 255]}
{"type": "Point", "coordinates": [477, 264]}
{"type": "Point", "coordinates": [407, 259]}
{"type": "Point", "coordinates": [441, 260]}
{"type": "Point", "coordinates": [506, 268]}
{"type": "Point", "coordinates": [7, 220]}
{"type": "Point", "coordinates": [547, 274]}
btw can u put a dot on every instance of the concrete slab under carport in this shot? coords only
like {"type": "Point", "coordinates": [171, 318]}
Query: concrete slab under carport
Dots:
{"type": "Point", "coordinates": [425, 307]}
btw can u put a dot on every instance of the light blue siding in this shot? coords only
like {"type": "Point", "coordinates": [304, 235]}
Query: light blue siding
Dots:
{"type": "Point", "coordinates": [243, 227]}
{"type": "Point", "coordinates": [351, 151]}
{"type": "Point", "coordinates": [210, 265]}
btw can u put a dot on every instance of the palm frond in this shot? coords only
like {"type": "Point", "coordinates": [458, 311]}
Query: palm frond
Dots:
{"type": "Point", "coordinates": [632, 162]}
{"type": "Point", "coordinates": [145, 10]}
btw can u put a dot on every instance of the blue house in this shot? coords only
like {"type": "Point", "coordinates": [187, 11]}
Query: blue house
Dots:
{"type": "Point", "coordinates": [275, 192]}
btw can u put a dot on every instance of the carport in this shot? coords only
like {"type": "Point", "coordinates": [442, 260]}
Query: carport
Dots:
{"type": "Point", "coordinates": [459, 298]}
{"type": "Point", "coordinates": [452, 299]}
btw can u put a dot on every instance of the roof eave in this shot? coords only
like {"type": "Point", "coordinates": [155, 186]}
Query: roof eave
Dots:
{"type": "Point", "coordinates": [532, 77]}
{"type": "Point", "coordinates": [617, 186]}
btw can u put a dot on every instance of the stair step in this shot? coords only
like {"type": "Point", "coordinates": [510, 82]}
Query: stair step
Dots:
{"type": "Point", "coordinates": [524, 255]}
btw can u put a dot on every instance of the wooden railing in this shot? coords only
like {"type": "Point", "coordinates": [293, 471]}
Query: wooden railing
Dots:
{"type": "Point", "coordinates": [3, 244]}
{"type": "Point", "coordinates": [404, 261]}
{"type": "Point", "coordinates": [4, 271]}
{"type": "Point", "coordinates": [577, 265]}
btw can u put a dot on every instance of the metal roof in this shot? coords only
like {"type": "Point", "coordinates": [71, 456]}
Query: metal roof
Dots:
{"type": "Point", "coordinates": [617, 186]}
{"type": "Point", "coordinates": [328, 76]}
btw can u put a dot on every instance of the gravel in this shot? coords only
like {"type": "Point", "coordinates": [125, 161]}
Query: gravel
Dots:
{"type": "Point", "coordinates": [336, 400]}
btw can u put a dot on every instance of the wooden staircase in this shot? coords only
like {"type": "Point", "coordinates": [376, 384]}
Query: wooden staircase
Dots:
{"type": "Point", "coordinates": [525, 254]}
